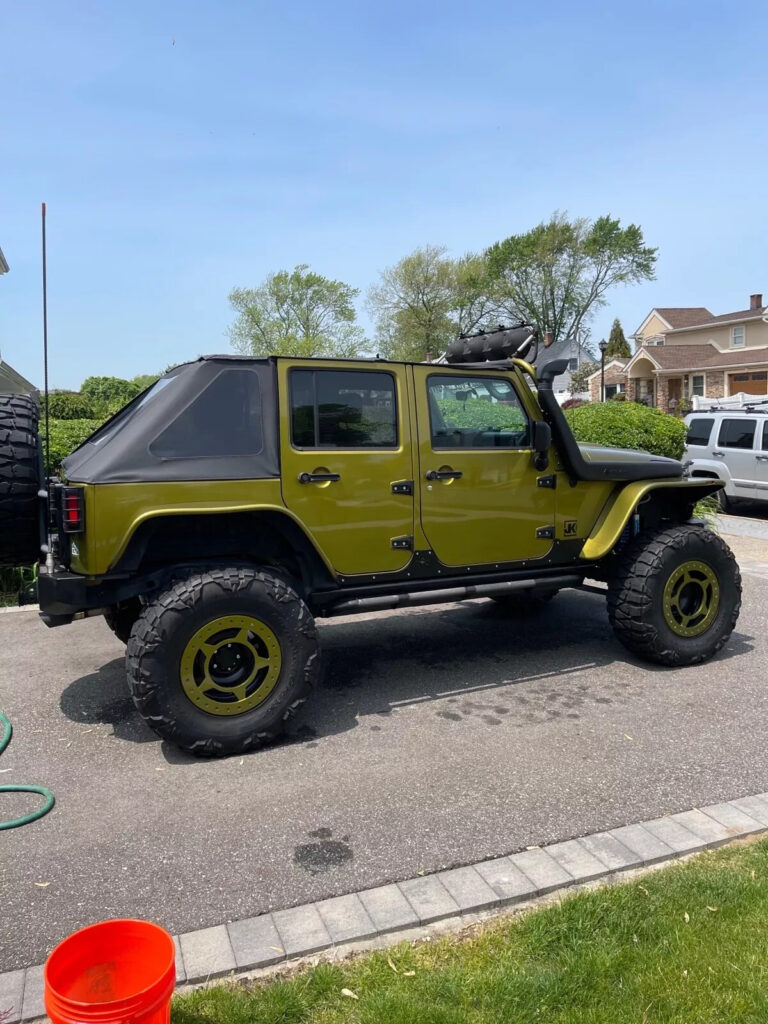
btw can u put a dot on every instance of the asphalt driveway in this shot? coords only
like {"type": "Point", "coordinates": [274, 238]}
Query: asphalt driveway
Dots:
{"type": "Point", "coordinates": [439, 737]}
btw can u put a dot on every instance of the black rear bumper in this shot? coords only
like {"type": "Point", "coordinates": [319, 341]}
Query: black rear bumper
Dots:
{"type": "Point", "coordinates": [63, 595]}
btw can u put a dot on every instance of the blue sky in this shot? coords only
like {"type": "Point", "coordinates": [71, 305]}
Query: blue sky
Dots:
{"type": "Point", "coordinates": [184, 149]}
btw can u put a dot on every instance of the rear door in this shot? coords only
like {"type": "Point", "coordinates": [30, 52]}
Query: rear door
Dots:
{"type": "Point", "coordinates": [480, 497]}
{"type": "Point", "coordinates": [345, 445]}
{"type": "Point", "coordinates": [735, 446]}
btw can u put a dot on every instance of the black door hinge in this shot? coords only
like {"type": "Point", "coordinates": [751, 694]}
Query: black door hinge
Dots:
{"type": "Point", "coordinates": [402, 487]}
{"type": "Point", "coordinates": [545, 533]}
{"type": "Point", "coordinates": [402, 543]}
{"type": "Point", "coordinates": [547, 481]}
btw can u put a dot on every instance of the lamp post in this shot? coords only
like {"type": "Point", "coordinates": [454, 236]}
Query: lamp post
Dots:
{"type": "Point", "coordinates": [602, 346]}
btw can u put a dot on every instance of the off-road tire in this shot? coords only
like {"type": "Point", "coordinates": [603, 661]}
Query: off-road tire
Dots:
{"type": "Point", "coordinates": [524, 604]}
{"type": "Point", "coordinates": [636, 589]}
{"type": "Point", "coordinates": [167, 624]}
{"type": "Point", "coordinates": [121, 618]}
{"type": "Point", "coordinates": [19, 481]}
{"type": "Point", "coordinates": [725, 503]}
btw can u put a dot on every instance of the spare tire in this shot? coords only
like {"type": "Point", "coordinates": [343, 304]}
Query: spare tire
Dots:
{"type": "Point", "coordinates": [20, 481]}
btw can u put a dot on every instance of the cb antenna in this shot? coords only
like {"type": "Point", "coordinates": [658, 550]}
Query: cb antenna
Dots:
{"type": "Point", "coordinates": [45, 359]}
{"type": "Point", "coordinates": [45, 490]}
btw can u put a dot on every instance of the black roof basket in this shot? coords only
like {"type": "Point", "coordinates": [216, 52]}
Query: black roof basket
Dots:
{"type": "Point", "coordinates": [493, 346]}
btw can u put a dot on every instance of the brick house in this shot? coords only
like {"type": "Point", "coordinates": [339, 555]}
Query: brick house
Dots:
{"type": "Point", "coordinates": [686, 351]}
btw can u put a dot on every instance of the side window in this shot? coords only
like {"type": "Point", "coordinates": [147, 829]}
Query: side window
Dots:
{"type": "Point", "coordinates": [475, 412]}
{"type": "Point", "coordinates": [765, 436]}
{"type": "Point", "coordinates": [699, 430]}
{"type": "Point", "coordinates": [343, 409]}
{"type": "Point", "coordinates": [737, 433]}
{"type": "Point", "coordinates": [224, 419]}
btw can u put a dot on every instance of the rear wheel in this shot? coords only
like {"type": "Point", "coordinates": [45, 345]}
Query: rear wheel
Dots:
{"type": "Point", "coordinates": [121, 618]}
{"type": "Point", "coordinates": [675, 595]}
{"type": "Point", "coordinates": [220, 662]}
{"type": "Point", "coordinates": [20, 481]}
{"type": "Point", "coordinates": [725, 503]}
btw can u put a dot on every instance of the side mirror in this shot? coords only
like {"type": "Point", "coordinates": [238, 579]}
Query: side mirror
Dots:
{"type": "Point", "coordinates": [541, 441]}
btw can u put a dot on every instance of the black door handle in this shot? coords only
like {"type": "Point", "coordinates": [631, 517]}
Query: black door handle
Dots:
{"type": "Point", "coordinates": [318, 478]}
{"type": "Point", "coordinates": [443, 474]}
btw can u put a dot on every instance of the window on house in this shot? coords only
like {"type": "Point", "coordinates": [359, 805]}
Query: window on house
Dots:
{"type": "Point", "coordinates": [573, 364]}
{"type": "Point", "coordinates": [697, 384]}
{"type": "Point", "coordinates": [613, 389]}
{"type": "Point", "coordinates": [699, 431]}
{"type": "Point", "coordinates": [737, 433]}
{"type": "Point", "coordinates": [738, 336]}
{"type": "Point", "coordinates": [343, 409]}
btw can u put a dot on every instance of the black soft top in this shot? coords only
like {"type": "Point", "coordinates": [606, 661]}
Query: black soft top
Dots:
{"type": "Point", "coordinates": [212, 419]}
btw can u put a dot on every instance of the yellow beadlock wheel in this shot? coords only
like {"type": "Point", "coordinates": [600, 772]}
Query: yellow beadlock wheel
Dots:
{"type": "Point", "coordinates": [691, 599]}
{"type": "Point", "coordinates": [231, 665]}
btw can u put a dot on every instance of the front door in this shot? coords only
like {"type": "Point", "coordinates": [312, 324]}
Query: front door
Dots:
{"type": "Point", "coordinates": [675, 391]}
{"type": "Point", "coordinates": [480, 500]}
{"type": "Point", "coordinates": [344, 444]}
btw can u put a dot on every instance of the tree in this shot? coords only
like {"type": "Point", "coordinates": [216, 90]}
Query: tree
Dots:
{"type": "Point", "coordinates": [296, 313]}
{"type": "Point", "coordinates": [108, 394]}
{"type": "Point", "coordinates": [557, 275]}
{"type": "Point", "coordinates": [426, 300]}
{"type": "Point", "coordinates": [70, 405]}
{"type": "Point", "coordinates": [618, 346]}
{"type": "Point", "coordinates": [579, 378]}
{"type": "Point", "coordinates": [145, 380]}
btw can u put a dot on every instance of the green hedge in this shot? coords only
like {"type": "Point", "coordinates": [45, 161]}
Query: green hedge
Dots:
{"type": "Point", "coordinates": [69, 405]}
{"type": "Point", "coordinates": [66, 435]}
{"type": "Point", "coordinates": [480, 414]}
{"type": "Point", "coordinates": [628, 425]}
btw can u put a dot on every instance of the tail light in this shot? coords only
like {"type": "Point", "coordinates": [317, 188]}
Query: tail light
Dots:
{"type": "Point", "coordinates": [73, 510]}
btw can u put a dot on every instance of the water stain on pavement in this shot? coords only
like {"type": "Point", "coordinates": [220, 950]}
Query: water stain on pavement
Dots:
{"type": "Point", "coordinates": [324, 854]}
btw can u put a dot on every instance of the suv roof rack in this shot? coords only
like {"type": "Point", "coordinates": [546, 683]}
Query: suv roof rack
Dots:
{"type": "Point", "coordinates": [753, 407]}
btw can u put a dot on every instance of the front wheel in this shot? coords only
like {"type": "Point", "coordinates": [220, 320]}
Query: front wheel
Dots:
{"type": "Point", "coordinates": [220, 661]}
{"type": "Point", "coordinates": [674, 596]}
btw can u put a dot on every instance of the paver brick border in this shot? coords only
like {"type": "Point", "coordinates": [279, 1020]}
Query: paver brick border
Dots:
{"type": "Point", "coordinates": [490, 885]}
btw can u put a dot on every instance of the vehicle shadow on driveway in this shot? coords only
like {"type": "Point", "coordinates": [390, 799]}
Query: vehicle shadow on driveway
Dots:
{"type": "Point", "coordinates": [458, 657]}
{"type": "Point", "coordinates": [102, 698]}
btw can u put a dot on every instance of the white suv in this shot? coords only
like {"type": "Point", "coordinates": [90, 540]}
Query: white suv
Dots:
{"type": "Point", "coordinates": [733, 445]}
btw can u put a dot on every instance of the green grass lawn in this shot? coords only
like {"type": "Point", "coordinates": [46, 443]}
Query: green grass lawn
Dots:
{"type": "Point", "coordinates": [687, 944]}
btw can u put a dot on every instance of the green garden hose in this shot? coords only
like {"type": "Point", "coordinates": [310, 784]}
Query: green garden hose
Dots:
{"type": "Point", "coordinates": [49, 798]}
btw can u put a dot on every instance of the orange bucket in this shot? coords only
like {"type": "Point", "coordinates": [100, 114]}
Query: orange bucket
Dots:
{"type": "Point", "coordinates": [112, 973]}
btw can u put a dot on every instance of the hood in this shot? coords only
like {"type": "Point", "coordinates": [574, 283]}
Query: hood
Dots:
{"type": "Point", "coordinates": [602, 453]}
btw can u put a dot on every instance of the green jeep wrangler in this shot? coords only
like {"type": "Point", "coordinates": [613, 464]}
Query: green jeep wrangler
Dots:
{"type": "Point", "coordinates": [236, 500]}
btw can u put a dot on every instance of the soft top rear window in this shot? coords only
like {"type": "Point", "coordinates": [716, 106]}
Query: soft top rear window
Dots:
{"type": "Point", "coordinates": [111, 427]}
{"type": "Point", "coordinates": [224, 419]}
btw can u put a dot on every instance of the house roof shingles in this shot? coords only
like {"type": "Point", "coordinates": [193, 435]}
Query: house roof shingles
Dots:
{"type": "Point", "coordinates": [724, 318]}
{"type": "Point", "coordinates": [703, 357]}
{"type": "Point", "coordinates": [684, 316]}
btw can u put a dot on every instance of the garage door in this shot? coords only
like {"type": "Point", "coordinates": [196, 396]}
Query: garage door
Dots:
{"type": "Point", "coordinates": [749, 383]}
